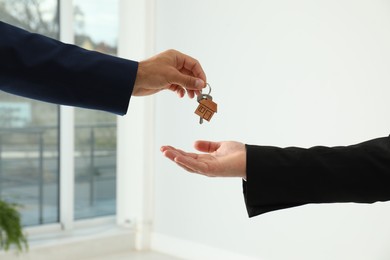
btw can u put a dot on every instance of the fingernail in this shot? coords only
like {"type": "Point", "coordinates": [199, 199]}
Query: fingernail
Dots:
{"type": "Point", "coordinates": [180, 93]}
{"type": "Point", "coordinates": [199, 84]}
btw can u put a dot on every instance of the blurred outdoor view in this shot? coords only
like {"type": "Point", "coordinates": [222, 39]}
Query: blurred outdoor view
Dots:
{"type": "Point", "coordinates": [29, 130]}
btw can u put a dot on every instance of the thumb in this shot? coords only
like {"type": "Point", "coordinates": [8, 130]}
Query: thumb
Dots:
{"type": "Point", "coordinates": [206, 146]}
{"type": "Point", "coordinates": [188, 82]}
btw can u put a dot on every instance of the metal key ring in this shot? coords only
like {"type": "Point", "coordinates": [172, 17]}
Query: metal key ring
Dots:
{"type": "Point", "coordinates": [207, 84]}
{"type": "Point", "coordinates": [204, 96]}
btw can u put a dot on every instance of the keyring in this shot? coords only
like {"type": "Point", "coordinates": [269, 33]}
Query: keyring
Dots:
{"type": "Point", "coordinates": [207, 84]}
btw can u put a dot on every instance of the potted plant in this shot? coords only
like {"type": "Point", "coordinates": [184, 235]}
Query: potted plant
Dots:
{"type": "Point", "coordinates": [11, 233]}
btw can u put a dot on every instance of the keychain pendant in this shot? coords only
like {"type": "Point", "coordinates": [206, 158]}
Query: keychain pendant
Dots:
{"type": "Point", "coordinates": [206, 107]}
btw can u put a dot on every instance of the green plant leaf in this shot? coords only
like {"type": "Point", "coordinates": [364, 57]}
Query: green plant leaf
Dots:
{"type": "Point", "coordinates": [11, 231]}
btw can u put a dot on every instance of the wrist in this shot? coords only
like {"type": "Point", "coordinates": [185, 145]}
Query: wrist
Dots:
{"type": "Point", "coordinates": [139, 79]}
{"type": "Point", "coordinates": [242, 164]}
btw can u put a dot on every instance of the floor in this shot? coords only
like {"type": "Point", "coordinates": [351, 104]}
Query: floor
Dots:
{"type": "Point", "coordinates": [125, 255]}
{"type": "Point", "coordinates": [134, 256]}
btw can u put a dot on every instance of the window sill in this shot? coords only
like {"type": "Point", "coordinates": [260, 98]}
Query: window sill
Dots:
{"type": "Point", "coordinates": [86, 240]}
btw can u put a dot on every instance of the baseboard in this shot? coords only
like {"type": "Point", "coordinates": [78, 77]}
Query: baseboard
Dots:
{"type": "Point", "coordinates": [191, 250]}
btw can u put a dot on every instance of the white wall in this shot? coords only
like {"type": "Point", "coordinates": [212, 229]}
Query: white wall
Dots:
{"type": "Point", "coordinates": [283, 73]}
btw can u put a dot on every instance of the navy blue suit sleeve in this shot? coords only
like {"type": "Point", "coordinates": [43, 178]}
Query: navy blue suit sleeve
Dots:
{"type": "Point", "coordinates": [38, 67]}
{"type": "Point", "coordinates": [279, 178]}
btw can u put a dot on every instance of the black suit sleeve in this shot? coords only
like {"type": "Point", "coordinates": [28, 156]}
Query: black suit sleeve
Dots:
{"type": "Point", "coordinates": [279, 178]}
{"type": "Point", "coordinates": [38, 67]}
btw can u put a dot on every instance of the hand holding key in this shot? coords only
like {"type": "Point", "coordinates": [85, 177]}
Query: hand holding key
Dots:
{"type": "Point", "coordinates": [171, 70]}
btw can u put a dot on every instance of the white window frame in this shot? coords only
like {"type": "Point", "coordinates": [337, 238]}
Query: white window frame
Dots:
{"type": "Point", "coordinates": [67, 173]}
{"type": "Point", "coordinates": [135, 141]}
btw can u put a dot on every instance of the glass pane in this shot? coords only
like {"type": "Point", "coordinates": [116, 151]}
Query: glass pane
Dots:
{"type": "Point", "coordinates": [29, 129]}
{"type": "Point", "coordinates": [96, 28]}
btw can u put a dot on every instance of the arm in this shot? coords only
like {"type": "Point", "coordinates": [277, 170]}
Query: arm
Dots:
{"type": "Point", "coordinates": [284, 177]}
{"type": "Point", "coordinates": [277, 178]}
{"type": "Point", "coordinates": [38, 67]}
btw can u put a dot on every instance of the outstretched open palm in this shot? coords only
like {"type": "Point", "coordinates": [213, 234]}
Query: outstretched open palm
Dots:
{"type": "Point", "coordinates": [220, 159]}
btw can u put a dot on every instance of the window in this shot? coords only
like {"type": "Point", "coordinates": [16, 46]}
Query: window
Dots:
{"type": "Point", "coordinates": [96, 28]}
{"type": "Point", "coordinates": [29, 131]}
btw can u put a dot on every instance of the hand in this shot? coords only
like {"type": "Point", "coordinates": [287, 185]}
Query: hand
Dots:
{"type": "Point", "coordinates": [222, 159]}
{"type": "Point", "coordinates": [169, 70]}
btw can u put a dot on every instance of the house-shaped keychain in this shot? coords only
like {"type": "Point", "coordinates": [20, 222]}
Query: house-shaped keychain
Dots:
{"type": "Point", "coordinates": [206, 109]}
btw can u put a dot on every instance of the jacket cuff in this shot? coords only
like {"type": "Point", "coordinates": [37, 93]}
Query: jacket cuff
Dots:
{"type": "Point", "coordinates": [260, 194]}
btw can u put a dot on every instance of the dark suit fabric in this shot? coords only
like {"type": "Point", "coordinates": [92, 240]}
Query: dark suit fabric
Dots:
{"type": "Point", "coordinates": [38, 67]}
{"type": "Point", "coordinates": [279, 178]}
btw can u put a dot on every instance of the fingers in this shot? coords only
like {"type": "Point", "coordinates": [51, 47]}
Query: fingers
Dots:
{"type": "Point", "coordinates": [181, 91]}
{"type": "Point", "coordinates": [190, 64]}
{"type": "Point", "coordinates": [196, 165]}
{"type": "Point", "coordinates": [206, 146]}
{"type": "Point", "coordinates": [178, 151]}
{"type": "Point", "coordinates": [166, 147]}
{"type": "Point", "coordinates": [170, 155]}
{"type": "Point", "coordinates": [191, 75]}
{"type": "Point", "coordinates": [189, 161]}
{"type": "Point", "coordinates": [194, 66]}
{"type": "Point", "coordinates": [187, 82]}
{"type": "Point", "coordinates": [191, 93]}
